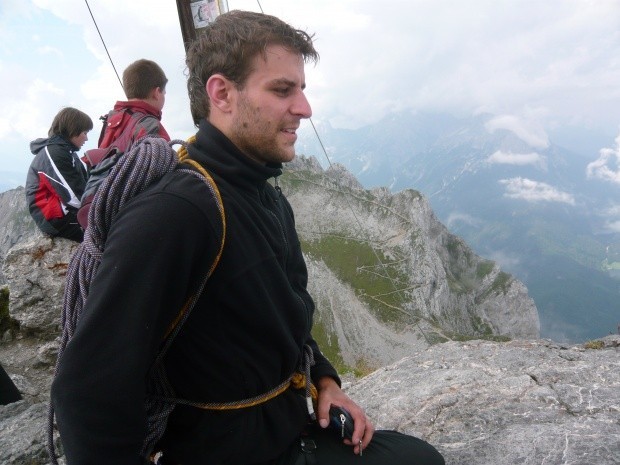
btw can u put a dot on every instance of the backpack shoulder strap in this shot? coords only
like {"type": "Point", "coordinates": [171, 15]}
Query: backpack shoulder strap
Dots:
{"type": "Point", "coordinates": [104, 125]}
{"type": "Point", "coordinates": [119, 128]}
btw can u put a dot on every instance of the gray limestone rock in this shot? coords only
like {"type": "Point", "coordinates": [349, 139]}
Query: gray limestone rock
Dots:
{"type": "Point", "coordinates": [23, 434]}
{"type": "Point", "coordinates": [433, 285]}
{"type": "Point", "coordinates": [520, 402]}
{"type": "Point", "coordinates": [527, 402]}
{"type": "Point", "coordinates": [16, 225]}
{"type": "Point", "coordinates": [35, 272]}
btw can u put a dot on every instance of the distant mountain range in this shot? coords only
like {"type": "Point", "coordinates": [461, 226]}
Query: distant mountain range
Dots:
{"type": "Point", "coordinates": [546, 214]}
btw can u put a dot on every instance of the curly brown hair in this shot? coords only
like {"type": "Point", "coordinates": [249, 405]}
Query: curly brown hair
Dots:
{"type": "Point", "coordinates": [228, 45]}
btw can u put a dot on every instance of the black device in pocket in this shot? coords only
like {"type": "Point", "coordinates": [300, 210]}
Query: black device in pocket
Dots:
{"type": "Point", "coordinates": [341, 421]}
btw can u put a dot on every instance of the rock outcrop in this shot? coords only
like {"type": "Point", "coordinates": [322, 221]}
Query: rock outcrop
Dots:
{"type": "Point", "coordinates": [485, 403]}
{"type": "Point", "coordinates": [381, 261]}
{"type": "Point", "coordinates": [36, 272]}
{"type": "Point", "coordinates": [16, 225]}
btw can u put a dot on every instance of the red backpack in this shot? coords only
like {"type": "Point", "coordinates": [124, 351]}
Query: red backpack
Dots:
{"type": "Point", "coordinates": [116, 138]}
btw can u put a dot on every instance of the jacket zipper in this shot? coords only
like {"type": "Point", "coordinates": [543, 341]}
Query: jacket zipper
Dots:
{"type": "Point", "coordinates": [270, 209]}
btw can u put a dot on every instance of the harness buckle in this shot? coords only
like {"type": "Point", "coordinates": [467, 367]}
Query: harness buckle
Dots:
{"type": "Point", "coordinates": [308, 445]}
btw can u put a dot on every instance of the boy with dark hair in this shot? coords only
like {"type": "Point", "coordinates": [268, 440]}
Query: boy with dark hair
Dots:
{"type": "Point", "coordinates": [144, 83]}
{"type": "Point", "coordinates": [56, 178]}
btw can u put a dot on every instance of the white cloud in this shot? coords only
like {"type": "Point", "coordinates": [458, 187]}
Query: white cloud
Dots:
{"type": "Point", "coordinates": [24, 113]}
{"type": "Point", "coordinates": [458, 217]}
{"type": "Point", "coordinates": [505, 260]}
{"type": "Point", "coordinates": [611, 218]}
{"type": "Point", "coordinates": [607, 166]}
{"type": "Point", "coordinates": [613, 226]}
{"type": "Point", "coordinates": [529, 132]}
{"type": "Point", "coordinates": [47, 50]}
{"type": "Point", "coordinates": [613, 210]}
{"type": "Point", "coordinates": [5, 127]}
{"type": "Point", "coordinates": [534, 191]}
{"type": "Point", "coordinates": [519, 159]}
{"type": "Point", "coordinates": [544, 62]}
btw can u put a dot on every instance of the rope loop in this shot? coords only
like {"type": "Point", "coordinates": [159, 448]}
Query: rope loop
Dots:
{"type": "Point", "coordinates": [147, 161]}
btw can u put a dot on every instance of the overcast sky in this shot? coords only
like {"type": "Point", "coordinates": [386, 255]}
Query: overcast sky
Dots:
{"type": "Point", "coordinates": [546, 68]}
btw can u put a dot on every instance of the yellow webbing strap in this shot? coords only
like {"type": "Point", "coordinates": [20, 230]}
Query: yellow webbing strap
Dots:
{"type": "Point", "coordinates": [296, 381]}
{"type": "Point", "coordinates": [184, 158]}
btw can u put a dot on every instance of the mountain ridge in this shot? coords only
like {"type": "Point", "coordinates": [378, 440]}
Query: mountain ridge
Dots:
{"type": "Point", "coordinates": [406, 277]}
{"type": "Point", "coordinates": [514, 196]}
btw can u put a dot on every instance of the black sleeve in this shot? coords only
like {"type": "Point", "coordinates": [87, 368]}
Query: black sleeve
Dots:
{"type": "Point", "coordinates": [156, 253]}
{"type": "Point", "coordinates": [322, 366]}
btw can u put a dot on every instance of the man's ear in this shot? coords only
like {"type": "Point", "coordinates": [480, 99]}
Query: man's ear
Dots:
{"type": "Point", "coordinates": [220, 90]}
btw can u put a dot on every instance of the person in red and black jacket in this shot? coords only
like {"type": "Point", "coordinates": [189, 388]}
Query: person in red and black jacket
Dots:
{"type": "Point", "coordinates": [144, 83]}
{"type": "Point", "coordinates": [56, 178]}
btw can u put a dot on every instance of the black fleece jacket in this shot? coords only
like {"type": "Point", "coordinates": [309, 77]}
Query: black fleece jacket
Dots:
{"type": "Point", "coordinates": [244, 336]}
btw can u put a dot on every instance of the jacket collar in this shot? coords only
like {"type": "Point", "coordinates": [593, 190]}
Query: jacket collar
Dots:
{"type": "Point", "coordinates": [138, 105]}
{"type": "Point", "coordinates": [215, 151]}
{"type": "Point", "coordinates": [57, 139]}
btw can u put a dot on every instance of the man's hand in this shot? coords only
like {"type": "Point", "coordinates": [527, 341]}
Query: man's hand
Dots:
{"type": "Point", "coordinates": [331, 394]}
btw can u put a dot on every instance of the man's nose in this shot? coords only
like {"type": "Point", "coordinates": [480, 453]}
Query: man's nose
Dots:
{"type": "Point", "coordinates": [301, 106]}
